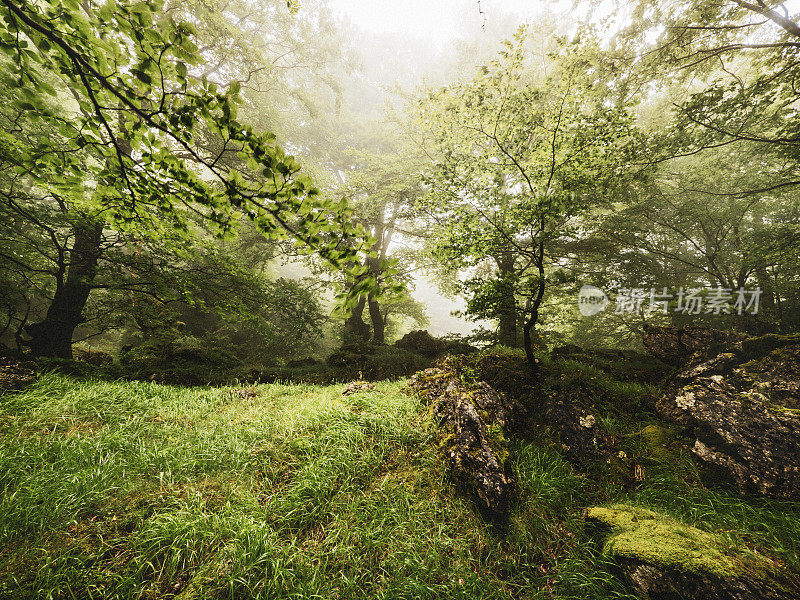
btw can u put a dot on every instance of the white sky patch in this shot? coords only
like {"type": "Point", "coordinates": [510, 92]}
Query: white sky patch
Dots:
{"type": "Point", "coordinates": [439, 21]}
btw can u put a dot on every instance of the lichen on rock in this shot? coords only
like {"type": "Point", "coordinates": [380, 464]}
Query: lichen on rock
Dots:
{"type": "Point", "coordinates": [740, 407]}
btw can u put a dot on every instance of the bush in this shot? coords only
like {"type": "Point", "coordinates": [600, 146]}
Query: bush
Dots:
{"type": "Point", "coordinates": [186, 360]}
{"type": "Point", "coordinates": [367, 361]}
{"type": "Point", "coordinates": [422, 342]}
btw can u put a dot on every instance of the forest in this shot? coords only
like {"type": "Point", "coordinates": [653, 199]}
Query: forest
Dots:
{"type": "Point", "coordinates": [343, 299]}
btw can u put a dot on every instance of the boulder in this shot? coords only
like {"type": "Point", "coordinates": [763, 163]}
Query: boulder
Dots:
{"type": "Point", "coordinates": [678, 345]}
{"type": "Point", "coordinates": [664, 559]}
{"type": "Point", "coordinates": [741, 408]}
{"type": "Point", "coordinates": [473, 421]}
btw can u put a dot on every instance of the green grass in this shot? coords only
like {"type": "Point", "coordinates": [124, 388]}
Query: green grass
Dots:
{"type": "Point", "coordinates": [140, 490]}
{"type": "Point", "coordinates": [129, 490]}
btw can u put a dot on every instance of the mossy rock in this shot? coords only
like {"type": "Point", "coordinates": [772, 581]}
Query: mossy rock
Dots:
{"type": "Point", "coordinates": [657, 539]}
{"type": "Point", "coordinates": [665, 559]}
{"type": "Point", "coordinates": [660, 443]}
{"type": "Point", "coordinates": [650, 537]}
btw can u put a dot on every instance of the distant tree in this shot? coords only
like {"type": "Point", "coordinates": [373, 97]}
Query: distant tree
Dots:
{"type": "Point", "coordinates": [382, 187]}
{"type": "Point", "coordinates": [673, 230]}
{"type": "Point", "coordinates": [718, 207]}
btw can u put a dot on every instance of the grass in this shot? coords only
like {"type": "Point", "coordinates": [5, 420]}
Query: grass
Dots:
{"type": "Point", "coordinates": [140, 490]}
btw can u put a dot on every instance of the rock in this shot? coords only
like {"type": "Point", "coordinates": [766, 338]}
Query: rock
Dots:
{"type": "Point", "coordinates": [244, 393]}
{"type": "Point", "coordinates": [421, 342]}
{"type": "Point", "coordinates": [677, 345]}
{"type": "Point", "coordinates": [741, 408]}
{"type": "Point", "coordinates": [582, 440]}
{"type": "Point", "coordinates": [16, 374]}
{"type": "Point", "coordinates": [357, 386]}
{"type": "Point", "coordinates": [665, 559]}
{"type": "Point", "coordinates": [473, 420]}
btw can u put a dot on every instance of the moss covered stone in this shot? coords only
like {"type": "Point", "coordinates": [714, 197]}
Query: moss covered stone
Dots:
{"type": "Point", "coordinates": [650, 537]}
{"type": "Point", "coordinates": [472, 418]}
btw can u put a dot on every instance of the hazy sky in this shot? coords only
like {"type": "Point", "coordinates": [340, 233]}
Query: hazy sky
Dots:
{"type": "Point", "coordinates": [436, 20]}
{"type": "Point", "coordinates": [441, 20]}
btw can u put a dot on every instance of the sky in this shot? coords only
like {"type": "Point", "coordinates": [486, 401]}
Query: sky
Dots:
{"type": "Point", "coordinates": [441, 20]}
{"type": "Point", "coordinates": [437, 20]}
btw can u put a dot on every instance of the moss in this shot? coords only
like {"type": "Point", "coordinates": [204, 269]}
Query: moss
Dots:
{"type": "Point", "coordinates": [497, 441]}
{"type": "Point", "coordinates": [659, 442]}
{"type": "Point", "coordinates": [783, 410]}
{"type": "Point", "coordinates": [660, 540]}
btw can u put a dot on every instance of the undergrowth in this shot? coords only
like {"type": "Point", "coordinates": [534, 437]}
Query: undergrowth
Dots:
{"type": "Point", "coordinates": [140, 490]}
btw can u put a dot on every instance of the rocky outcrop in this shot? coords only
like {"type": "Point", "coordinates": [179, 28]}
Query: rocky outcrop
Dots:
{"type": "Point", "coordinates": [678, 345]}
{"type": "Point", "coordinates": [741, 408]}
{"type": "Point", "coordinates": [473, 421]}
{"type": "Point", "coordinates": [582, 439]}
{"type": "Point", "coordinates": [664, 559]}
{"type": "Point", "coordinates": [15, 374]}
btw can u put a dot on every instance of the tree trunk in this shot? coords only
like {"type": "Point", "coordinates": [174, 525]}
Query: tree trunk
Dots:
{"type": "Point", "coordinates": [354, 326]}
{"type": "Point", "coordinates": [378, 322]}
{"type": "Point", "coordinates": [507, 309]}
{"type": "Point", "coordinates": [534, 303]}
{"type": "Point", "coordinates": [53, 336]}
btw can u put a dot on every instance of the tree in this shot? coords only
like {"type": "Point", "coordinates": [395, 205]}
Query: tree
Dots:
{"type": "Point", "coordinates": [519, 156]}
{"type": "Point", "coordinates": [673, 231]}
{"type": "Point", "coordinates": [382, 185]}
{"type": "Point", "coordinates": [717, 206]}
{"type": "Point", "coordinates": [738, 64]}
{"type": "Point", "coordinates": [124, 152]}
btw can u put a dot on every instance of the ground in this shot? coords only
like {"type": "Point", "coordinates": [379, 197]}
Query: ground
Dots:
{"type": "Point", "coordinates": [142, 490]}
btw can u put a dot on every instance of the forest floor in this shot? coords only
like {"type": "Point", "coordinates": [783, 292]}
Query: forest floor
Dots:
{"type": "Point", "coordinates": [142, 490]}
